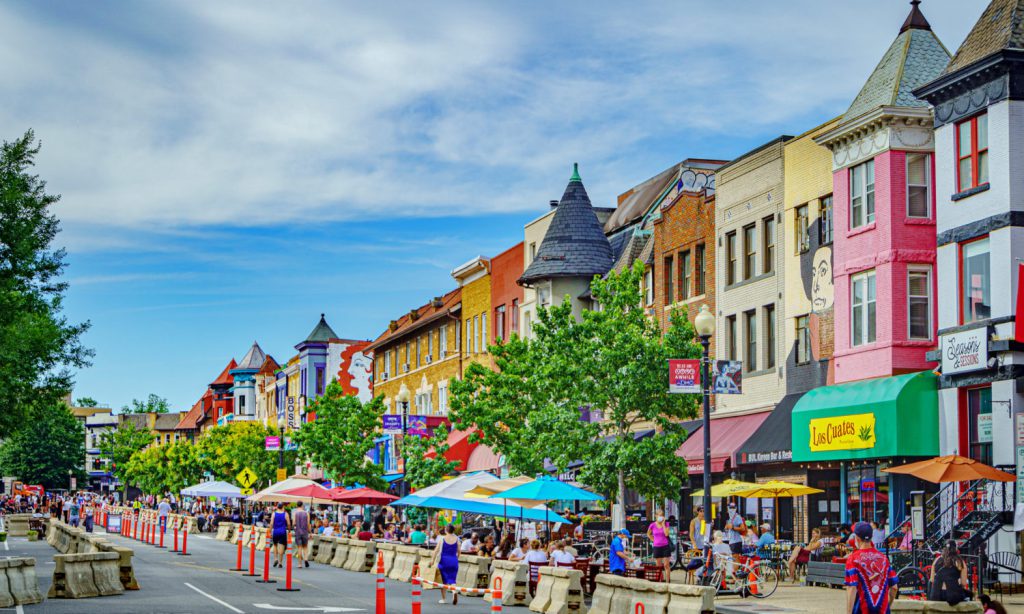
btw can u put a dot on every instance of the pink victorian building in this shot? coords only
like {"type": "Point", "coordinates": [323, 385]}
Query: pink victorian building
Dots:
{"type": "Point", "coordinates": [884, 214]}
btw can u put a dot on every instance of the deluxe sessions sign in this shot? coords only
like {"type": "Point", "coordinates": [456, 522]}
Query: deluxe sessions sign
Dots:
{"type": "Point", "coordinates": [965, 351]}
{"type": "Point", "coordinates": [854, 432]}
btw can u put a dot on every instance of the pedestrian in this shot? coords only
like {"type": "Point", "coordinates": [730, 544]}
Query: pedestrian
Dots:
{"type": "Point", "coordinates": [695, 529]}
{"type": "Point", "coordinates": [87, 515]}
{"type": "Point", "coordinates": [733, 525]}
{"type": "Point", "coordinates": [73, 514]}
{"type": "Point", "coordinates": [618, 553]}
{"type": "Point", "coordinates": [870, 581]}
{"type": "Point", "coordinates": [65, 508]}
{"type": "Point", "coordinates": [446, 560]}
{"type": "Point", "coordinates": [300, 518]}
{"type": "Point", "coordinates": [163, 510]}
{"type": "Point", "coordinates": [281, 524]}
{"type": "Point", "coordinates": [949, 576]}
{"type": "Point", "coordinates": [657, 532]}
{"type": "Point", "coordinates": [991, 607]}
{"type": "Point", "coordinates": [766, 539]}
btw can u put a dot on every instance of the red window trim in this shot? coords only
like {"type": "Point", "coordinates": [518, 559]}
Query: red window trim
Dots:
{"type": "Point", "coordinates": [963, 419]}
{"type": "Point", "coordinates": [960, 275]}
{"type": "Point", "coordinates": [975, 154]}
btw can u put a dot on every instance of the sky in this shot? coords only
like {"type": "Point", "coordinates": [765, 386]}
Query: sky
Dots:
{"type": "Point", "coordinates": [230, 170]}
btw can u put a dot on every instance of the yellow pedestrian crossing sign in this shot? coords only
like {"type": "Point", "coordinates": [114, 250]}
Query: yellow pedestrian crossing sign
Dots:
{"type": "Point", "coordinates": [246, 492]}
{"type": "Point", "coordinates": [246, 478]}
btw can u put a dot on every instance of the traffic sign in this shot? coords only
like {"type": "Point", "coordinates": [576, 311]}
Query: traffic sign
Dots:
{"type": "Point", "coordinates": [282, 475]}
{"type": "Point", "coordinates": [246, 478]}
{"type": "Point", "coordinates": [246, 491]}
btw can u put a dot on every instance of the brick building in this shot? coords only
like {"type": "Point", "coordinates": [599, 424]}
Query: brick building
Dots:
{"type": "Point", "coordinates": [474, 279]}
{"type": "Point", "coordinates": [506, 294]}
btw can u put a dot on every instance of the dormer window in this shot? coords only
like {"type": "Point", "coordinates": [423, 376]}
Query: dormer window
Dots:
{"type": "Point", "coordinates": [972, 152]}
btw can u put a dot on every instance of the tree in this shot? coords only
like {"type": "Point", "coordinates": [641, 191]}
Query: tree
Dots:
{"type": "Point", "coordinates": [613, 360]}
{"type": "Point", "coordinates": [120, 444]}
{"type": "Point", "coordinates": [153, 404]}
{"type": "Point", "coordinates": [338, 440]}
{"type": "Point", "coordinates": [420, 470]}
{"type": "Point", "coordinates": [226, 450]}
{"type": "Point", "coordinates": [38, 347]}
{"type": "Point", "coordinates": [86, 402]}
{"type": "Point", "coordinates": [165, 468]}
{"type": "Point", "coordinates": [46, 448]}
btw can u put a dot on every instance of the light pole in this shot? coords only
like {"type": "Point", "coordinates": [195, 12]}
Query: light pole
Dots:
{"type": "Point", "coordinates": [280, 444]}
{"type": "Point", "coordinates": [704, 324]}
{"type": "Point", "coordinates": [403, 399]}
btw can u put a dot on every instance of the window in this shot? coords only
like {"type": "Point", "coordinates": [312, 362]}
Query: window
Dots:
{"type": "Point", "coordinates": [533, 252]}
{"type": "Point", "coordinates": [430, 343]}
{"type": "Point", "coordinates": [442, 398]}
{"type": "Point", "coordinates": [407, 355]}
{"type": "Point", "coordinates": [918, 186]}
{"type": "Point", "coordinates": [979, 423]}
{"type": "Point", "coordinates": [544, 295]}
{"type": "Point", "coordinates": [469, 335]}
{"type": "Point", "coordinates": [972, 152]}
{"type": "Point", "coordinates": [730, 255]}
{"type": "Point", "coordinates": [649, 286]}
{"type": "Point", "coordinates": [483, 332]}
{"type": "Point", "coordinates": [750, 331]}
{"type": "Point", "coordinates": [442, 340]}
{"type": "Point", "coordinates": [975, 274]}
{"type": "Point", "coordinates": [698, 269]}
{"type": "Point", "coordinates": [730, 333]}
{"type": "Point", "coordinates": [825, 220]}
{"type": "Point", "coordinates": [862, 194]}
{"type": "Point", "coordinates": [319, 381]}
{"type": "Point", "coordinates": [862, 305]}
{"type": "Point", "coordinates": [667, 275]}
{"type": "Point", "coordinates": [515, 315]}
{"type": "Point", "coordinates": [387, 361]}
{"type": "Point", "coordinates": [476, 334]}
{"type": "Point", "coordinates": [769, 336]}
{"type": "Point", "coordinates": [768, 236]}
{"type": "Point", "coordinates": [499, 322]}
{"type": "Point", "coordinates": [417, 352]}
{"type": "Point", "coordinates": [919, 298]}
{"type": "Point", "coordinates": [684, 275]}
{"type": "Point", "coordinates": [749, 251]}
{"type": "Point", "coordinates": [803, 241]}
{"type": "Point", "coordinates": [803, 340]}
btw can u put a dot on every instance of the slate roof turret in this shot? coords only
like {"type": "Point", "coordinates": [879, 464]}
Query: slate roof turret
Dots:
{"type": "Point", "coordinates": [321, 333]}
{"type": "Point", "coordinates": [1000, 27]}
{"type": "Point", "coordinates": [575, 244]}
{"type": "Point", "coordinates": [253, 359]}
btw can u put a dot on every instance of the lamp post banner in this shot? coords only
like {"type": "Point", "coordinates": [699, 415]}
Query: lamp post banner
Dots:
{"type": "Point", "coordinates": [272, 443]}
{"type": "Point", "coordinates": [684, 376]}
{"type": "Point", "coordinates": [392, 424]}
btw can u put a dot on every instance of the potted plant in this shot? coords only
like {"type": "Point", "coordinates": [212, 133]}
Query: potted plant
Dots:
{"type": "Point", "coordinates": [3, 536]}
{"type": "Point", "coordinates": [33, 536]}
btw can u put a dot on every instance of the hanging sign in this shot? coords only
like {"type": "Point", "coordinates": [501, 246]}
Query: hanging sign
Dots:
{"type": "Point", "coordinates": [392, 424]}
{"type": "Point", "coordinates": [293, 419]}
{"type": "Point", "coordinates": [727, 377]}
{"type": "Point", "coordinates": [417, 426]}
{"type": "Point", "coordinates": [854, 432]}
{"type": "Point", "coordinates": [965, 351]}
{"type": "Point", "coordinates": [684, 376]}
{"type": "Point", "coordinates": [272, 443]}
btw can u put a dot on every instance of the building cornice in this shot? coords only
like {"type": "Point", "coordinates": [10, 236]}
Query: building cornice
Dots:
{"type": "Point", "coordinates": [884, 128]}
{"type": "Point", "coordinates": [973, 88]}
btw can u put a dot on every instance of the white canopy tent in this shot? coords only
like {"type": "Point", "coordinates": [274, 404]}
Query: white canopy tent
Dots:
{"type": "Point", "coordinates": [213, 489]}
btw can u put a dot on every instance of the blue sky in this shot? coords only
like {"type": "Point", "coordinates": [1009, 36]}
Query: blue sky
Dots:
{"type": "Point", "coordinates": [230, 170]}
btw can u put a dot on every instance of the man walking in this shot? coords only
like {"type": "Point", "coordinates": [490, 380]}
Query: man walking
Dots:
{"type": "Point", "coordinates": [300, 519]}
{"type": "Point", "coordinates": [733, 536]}
{"type": "Point", "coordinates": [870, 581]}
{"type": "Point", "coordinates": [163, 510]}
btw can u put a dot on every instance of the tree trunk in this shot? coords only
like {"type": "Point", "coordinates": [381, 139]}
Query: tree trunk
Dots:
{"type": "Point", "coordinates": [619, 507]}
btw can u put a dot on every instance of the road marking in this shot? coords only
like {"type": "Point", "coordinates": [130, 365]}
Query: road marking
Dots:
{"type": "Point", "coordinates": [6, 547]}
{"type": "Point", "coordinates": [212, 598]}
{"type": "Point", "coordinates": [19, 610]}
{"type": "Point", "coordinates": [323, 608]}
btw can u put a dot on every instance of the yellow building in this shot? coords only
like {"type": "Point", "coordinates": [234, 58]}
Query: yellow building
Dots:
{"type": "Point", "coordinates": [474, 279]}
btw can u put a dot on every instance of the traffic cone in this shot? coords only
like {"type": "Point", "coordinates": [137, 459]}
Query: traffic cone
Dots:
{"type": "Point", "coordinates": [381, 597]}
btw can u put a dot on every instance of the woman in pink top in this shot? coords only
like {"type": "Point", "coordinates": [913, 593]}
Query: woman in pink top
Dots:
{"type": "Point", "coordinates": [658, 534]}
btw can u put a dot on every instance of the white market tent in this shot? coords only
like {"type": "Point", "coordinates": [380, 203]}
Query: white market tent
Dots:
{"type": "Point", "coordinates": [213, 489]}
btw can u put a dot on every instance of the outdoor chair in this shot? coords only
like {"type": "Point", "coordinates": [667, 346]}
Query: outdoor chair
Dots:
{"type": "Point", "coordinates": [998, 574]}
{"type": "Point", "coordinates": [534, 575]}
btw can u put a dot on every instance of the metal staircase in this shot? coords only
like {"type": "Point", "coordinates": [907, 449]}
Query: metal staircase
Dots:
{"type": "Point", "coordinates": [968, 513]}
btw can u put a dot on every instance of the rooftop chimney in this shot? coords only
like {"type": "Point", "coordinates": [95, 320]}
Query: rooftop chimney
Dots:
{"type": "Point", "coordinates": [554, 204]}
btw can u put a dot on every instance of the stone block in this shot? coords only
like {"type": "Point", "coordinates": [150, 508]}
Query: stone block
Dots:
{"type": "Point", "coordinates": [22, 581]}
{"type": "Point", "coordinates": [937, 607]}
{"type": "Point", "coordinates": [474, 572]}
{"type": "Point", "coordinates": [326, 551]}
{"type": "Point", "coordinates": [388, 550]}
{"type": "Point", "coordinates": [515, 582]}
{"type": "Point", "coordinates": [907, 605]}
{"type": "Point", "coordinates": [406, 559]}
{"type": "Point", "coordinates": [124, 564]}
{"type": "Point", "coordinates": [106, 573]}
{"type": "Point", "coordinates": [17, 524]}
{"type": "Point", "coordinates": [356, 560]}
{"type": "Point", "coordinates": [566, 591]}
{"type": "Point", "coordinates": [223, 532]}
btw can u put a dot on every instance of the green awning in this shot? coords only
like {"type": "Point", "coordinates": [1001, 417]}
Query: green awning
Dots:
{"type": "Point", "coordinates": [876, 418]}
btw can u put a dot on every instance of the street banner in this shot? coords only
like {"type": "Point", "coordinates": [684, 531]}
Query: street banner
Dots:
{"type": "Point", "coordinates": [272, 443]}
{"type": "Point", "coordinates": [392, 424]}
{"type": "Point", "coordinates": [293, 420]}
{"type": "Point", "coordinates": [727, 377]}
{"type": "Point", "coordinates": [417, 426]}
{"type": "Point", "coordinates": [684, 376]}
{"type": "Point", "coordinates": [290, 445]}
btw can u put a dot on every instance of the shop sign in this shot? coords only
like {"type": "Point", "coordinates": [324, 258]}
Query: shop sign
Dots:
{"type": "Point", "coordinates": [293, 420]}
{"type": "Point", "coordinates": [272, 443]}
{"type": "Point", "coordinates": [965, 351]}
{"type": "Point", "coordinates": [985, 428]}
{"type": "Point", "coordinates": [867, 484]}
{"type": "Point", "coordinates": [727, 377]}
{"type": "Point", "coordinates": [853, 432]}
{"type": "Point", "coordinates": [775, 456]}
{"type": "Point", "coordinates": [684, 377]}
{"type": "Point", "coordinates": [392, 424]}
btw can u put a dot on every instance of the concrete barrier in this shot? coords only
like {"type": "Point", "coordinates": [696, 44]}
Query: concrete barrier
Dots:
{"type": "Point", "coordinates": [690, 599]}
{"type": "Point", "coordinates": [246, 535]}
{"type": "Point", "coordinates": [223, 532]}
{"type": "Point", "coordinates": [362, 555]}
{"type": "Point", "coordinates": [388, 550]}
{"type": "Point", "coordinates": [326, 550]}
{"type": "Point", "coordinates": [18, 582]}
{"type": "Point", "coordinates": [474, 572]}
{"type": "Point", "coordinates": [515, 582]}
{"type": "Point", "coordinates": [928, 607]}
{"type": "Point", "coordinates": [406, 559]}
{"type": "Point", "coordinates": [17, 524]}
{"type": "Point", "coordinates": [617, 594]}
{"type": "Point", "coordinates": [341, 551]}
{"type": "Point", "coordinates": [80, 576]}
{"type": "Point", "coordinates": [262, 537]}
{"type": "Point", "coordinates": [125, 567]}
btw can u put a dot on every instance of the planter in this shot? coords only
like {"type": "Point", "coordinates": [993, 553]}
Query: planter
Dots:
{"type": "Point", "coordinates": [33, 536]}
{"type": "Point", "coordinates": [3, 536]}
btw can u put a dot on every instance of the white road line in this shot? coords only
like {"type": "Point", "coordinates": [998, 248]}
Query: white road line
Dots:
{"type": "Point", "coordinates": [6, 547]}
{"type": "Point", "coordinates": [212, 598]}
{"type": "Point", "coordinates": [19, 610]}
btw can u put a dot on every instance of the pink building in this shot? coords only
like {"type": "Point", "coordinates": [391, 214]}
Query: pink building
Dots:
{"type": "Point", "coordinates": [884, 214]}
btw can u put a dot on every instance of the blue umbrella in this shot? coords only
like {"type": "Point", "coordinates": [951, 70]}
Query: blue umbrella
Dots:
{"type": "Point", "coordinates": [547, 488]}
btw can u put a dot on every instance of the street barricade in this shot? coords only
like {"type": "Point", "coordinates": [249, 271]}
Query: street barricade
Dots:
{"type": "Point", "coordinates": [617, 594]}
{"type": "Point", "coordinates": [362, 555]}
{"type": "Point", "coordinates": [341, 551]}
{"type": "Point", "coordinates": [325, 552]}
{"type": "Point", "coordinates": [262, 537]}
{"type": "Point", "coordinates": [314, 545]}
{"type": "Point", "coordinates": [936, 607]}
{"type": "Point", "coordinates": [17, 524]}
{"type": "Point", "coordinates": [388, 550]}
{"type": "Point", "coordinates": [18, 582]}
{"type": "Point", "coordinates": [406, 559]}
{"type": "Point", "coordinates": [224, 531]}
{"type": "Point", "coordinates": [515, 578]}
{"type": "Point", "coordinates": [474, 572]}
{"type": "Point", "coordinates": [79, 576]}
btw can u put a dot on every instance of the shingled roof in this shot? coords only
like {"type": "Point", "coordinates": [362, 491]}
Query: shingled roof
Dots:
{"type": "Point", "coordinates": [321, 333]}
{"type": "Point", "coordinates": [225, 379]}
{"type": "Point", "coordinates": [1000, 27]}
{"type": "Point", "coordinates": [913, 59]}
{"type": "Point", "coordinates": [575, 244]}
{"type": "Point", "coordinates": [253, 359]}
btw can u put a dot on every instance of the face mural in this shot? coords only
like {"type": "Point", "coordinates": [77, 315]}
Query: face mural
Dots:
{"type": "Point", "coordinates": [819, 288]}
{"type": "Point", "coordinates": [822, 288]}
{"type": "Point", "coordinates": [356, 372]}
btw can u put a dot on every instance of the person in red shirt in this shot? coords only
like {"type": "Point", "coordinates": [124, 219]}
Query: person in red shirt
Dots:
{"type": "Point", "coordinates": [870, 580]}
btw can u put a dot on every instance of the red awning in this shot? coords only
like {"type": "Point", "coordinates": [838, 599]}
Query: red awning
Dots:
{"type": "Point", "coordinates": [483, 458]}
{"type": "Point", "coordinates": [727, 435]}
{"type": "Point", "coordinates": [459, 448]}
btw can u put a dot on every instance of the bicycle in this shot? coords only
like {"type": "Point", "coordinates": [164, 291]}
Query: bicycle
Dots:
{"type": "Point", "coordinates": [751, 576]}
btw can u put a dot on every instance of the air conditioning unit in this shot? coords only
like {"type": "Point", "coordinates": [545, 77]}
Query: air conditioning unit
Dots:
{"type": "Point", "coordinates": [384, 376]}
{"type": "Point", "coordinates": [406, 367]}
{"type": "Point", "coordinates": [430, 359]}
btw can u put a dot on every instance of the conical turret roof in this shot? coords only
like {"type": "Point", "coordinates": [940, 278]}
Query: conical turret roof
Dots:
{"type": "Point", "coordinates": [1000, 27]}
{"type": "Point", "coordinates": [253, 359]}
{"type": "Point", "coordinates": [321, 333]}
{"type": "Point", "coordinates": [575, 244]}
{"type": "Point", "coordinates": [914, 58]}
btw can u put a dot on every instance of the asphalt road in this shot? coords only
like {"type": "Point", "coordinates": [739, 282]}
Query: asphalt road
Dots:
{"type": "Point", "coordinates": [203, 583]}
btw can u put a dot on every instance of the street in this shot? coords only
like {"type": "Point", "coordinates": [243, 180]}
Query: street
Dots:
{"type": "Point", "coordinates": [202, 583]}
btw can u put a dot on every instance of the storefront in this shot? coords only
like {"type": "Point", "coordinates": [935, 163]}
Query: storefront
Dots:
{"type": "Point", "coordinates": [865, 427]}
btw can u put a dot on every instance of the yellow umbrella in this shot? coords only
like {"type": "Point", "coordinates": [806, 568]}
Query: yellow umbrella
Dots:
{"type": "Point", "coordinates": [776, 488]}
{"type": "Point", "coordinates": [728, 488]}
{"type": "Point", "coordinates": [487, 489]}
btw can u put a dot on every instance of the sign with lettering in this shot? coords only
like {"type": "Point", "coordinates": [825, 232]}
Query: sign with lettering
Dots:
{"type": "Point", "coordinates": [293, 418]}
{"type": "Point", "coordinates": [392, 424]}
{"type": "Point", "coordinates": [853, 432]}
{"type": "Point", "coordinates": [965, 351]}
{"type": "Point", "coordinates": [417, 426]}
{"type": "Point", "coordinates": [985, 428]}
{"type": "Point", "coordinates": [684, 376]}
{"type": "Point", "coordinates": [775, 456]}
{"type": "Point", "coordinates": [272, 443]}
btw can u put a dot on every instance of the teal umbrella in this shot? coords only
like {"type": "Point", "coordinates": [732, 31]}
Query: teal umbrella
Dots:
{"type": "Point", "coordinates": [547, 488]}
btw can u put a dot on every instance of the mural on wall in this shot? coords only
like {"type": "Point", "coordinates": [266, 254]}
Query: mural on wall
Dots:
{"type": "Point", "coordinates": [356, 371]}
{"type": "Point", "coordinates": [819, 289]}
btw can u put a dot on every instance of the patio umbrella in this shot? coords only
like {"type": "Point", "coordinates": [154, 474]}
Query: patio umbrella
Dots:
{"type": "Point", "coordinates": [272, 493]}
{"type": "Point", "coordinates": [547, 489]}
{"type": "Point", "coordinates": [952, 468]}
{"type": "Point", "coordinates": [314, 493]}
{"type": "Point", "coordinates": [774, 489]}
{"type": "Point", "coordinates": [451, 495]}
{"type": "Point", "coordinates": [728, 488]}
{"type": "Point", "coordinates": [213, 489]}
{"type": "Point", "coordinates": [362, 496]}
{"type": "Point", "coordinates": [487, 489]}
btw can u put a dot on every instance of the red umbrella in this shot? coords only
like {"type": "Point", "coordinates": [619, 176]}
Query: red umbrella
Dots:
{"type": "Point", "coordinates": [362, 496]}
{"type": "Point", "coordinates": [314, 492]}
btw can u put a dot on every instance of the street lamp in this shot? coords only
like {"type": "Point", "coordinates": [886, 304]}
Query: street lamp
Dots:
{"type": "Point", "coordinates": [403, 398]}
{"type": "Point", "coordinates": [280, 443]}
{"type": "Point", "coordinates": [704, 324]}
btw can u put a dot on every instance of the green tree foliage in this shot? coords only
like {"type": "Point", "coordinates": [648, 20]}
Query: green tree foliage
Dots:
{"type": "Point", "coordinates": [226, 450]}
{"type": "Point", "coordinates": [614, 361]}
{"type": "Point", "coordinates": [165, 468]}
{"type": "Point", "coordinates": [86, 402]}
{"type": "Point", "coordinates": [51, 443]}
{"type": "Point", "coordinates": [120, 444]}
{"type": "Point", "coordinates": [38, 346]}
{"type": "Point", "coordinates": [338, 440]}
{"type": "Point", "coordinates": [422, 471]}
{"type": "Point", "coordinates": [153, 404]}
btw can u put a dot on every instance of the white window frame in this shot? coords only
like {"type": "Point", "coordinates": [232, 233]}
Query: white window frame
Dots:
{"type": "Point", "coordinates": [442, 398]}
{"type": "Point", "coordinates": [927, 185]}
{"type": "Point", "coordinates": [865, 196]}
{"type": "Point", "coordinates": [469, 335]}
{"type": "Point", "coordinates": [483, 332]}
{"type": "Point", "coordinates": [927, 270]}
{"type": "Point", "coordinates": [649, 286]}
{"type": "Point", "coordinates": [442, 341]}
{"type": "Point", "coordinates": [868, 277]}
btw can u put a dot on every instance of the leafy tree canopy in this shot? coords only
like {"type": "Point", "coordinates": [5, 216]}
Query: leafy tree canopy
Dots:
{"type": "Point", "coordinates": [86, 402]}
{"type": "Point", "coordinates": [152, 404]}
{"type": "Point", "coordinates": [38, 346]}
{"type": "Point", "coordinates": [120, 444]}
{"type": "Point", "coordinates": [226, 450]}
{"type": "Point", "coordinates": [165, 468]}
{"type": "Point", "coordinates": [46, 448]}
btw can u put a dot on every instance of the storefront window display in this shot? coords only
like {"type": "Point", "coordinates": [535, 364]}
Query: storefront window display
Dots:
{"type": "Point", "coordinates": [867, 492]}
{"type": "Point", "coordinates": [976, 411]}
